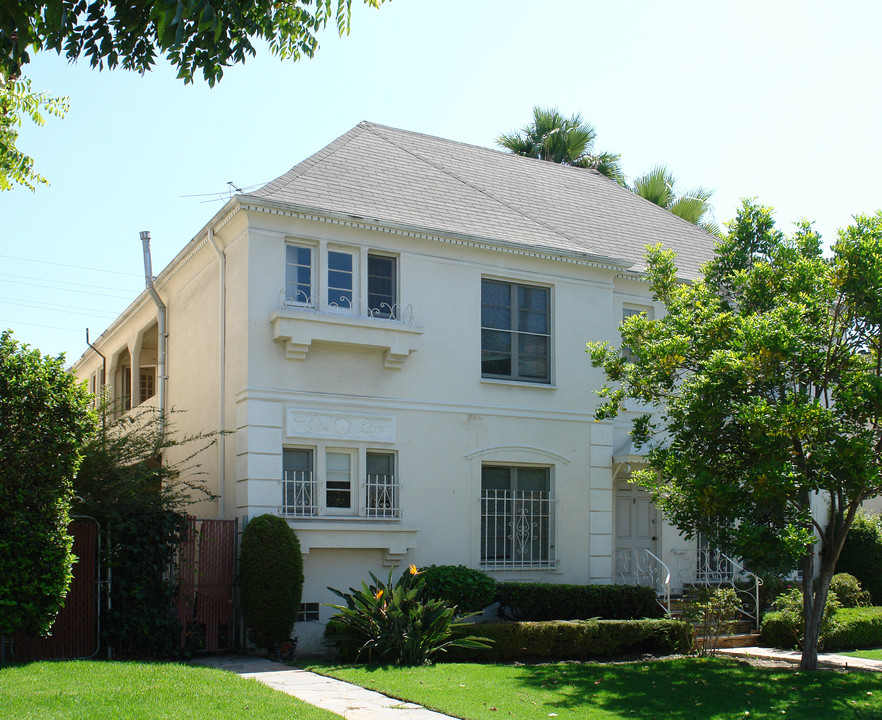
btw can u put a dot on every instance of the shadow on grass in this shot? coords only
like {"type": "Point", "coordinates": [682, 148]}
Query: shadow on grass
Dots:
{"type": "Point", "coordinates": [682, 689]}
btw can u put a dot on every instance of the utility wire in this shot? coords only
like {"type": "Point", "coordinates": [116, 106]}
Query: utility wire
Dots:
{"type": "Point", "coordinates": [78, 267]}
{"type": "Point", "coordinates": [127, 291]}
{"type": "Point", "coordinates": [50, 327]}
{"type": "Point", "coordinates": [95, 314]}
{"type": "Point", "coordinates": [81, 292]}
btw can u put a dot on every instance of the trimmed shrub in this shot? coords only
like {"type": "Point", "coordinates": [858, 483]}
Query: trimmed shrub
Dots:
{"type": "Point", "coordinates": [847, 589]}
{"type": "Point", "coordinates": [853, 628]}
{"type": "Point", "coordinates": [270, 579]}
{"type": "Point", "coordinates": [459, 586]}
{"type": "Point", "coordinates": [576, 640]}
{"type": "Point", "coordinates": [549, 601]}
{"type": "Point", "coordinates": [862, 554]}
{"type": "Point", "coordinates": [784, 627]}
{"type": "Point", "coordinates": [394, 623]}
{"type": "Point", "coordinates": [850, 628]}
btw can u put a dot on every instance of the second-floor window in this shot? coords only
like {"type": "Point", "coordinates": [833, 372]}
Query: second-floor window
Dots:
{"type": "Point", "coordinates": [515, 331]}
{"type": "Point", "coordinates": [338, 279]}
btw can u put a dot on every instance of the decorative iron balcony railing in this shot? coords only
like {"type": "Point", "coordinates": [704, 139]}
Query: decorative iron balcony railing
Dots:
{"type": "Point", "coordinates": [356, 308]}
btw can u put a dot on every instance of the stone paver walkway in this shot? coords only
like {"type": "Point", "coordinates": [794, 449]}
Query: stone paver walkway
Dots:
{"type": "Point", "coordinates": [350, 701]}
{"type": "Point", "coordinates": [827, 660]}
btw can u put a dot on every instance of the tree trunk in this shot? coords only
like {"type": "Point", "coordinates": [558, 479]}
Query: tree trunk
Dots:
{"type": "Point", "coordinates": [814, 601]}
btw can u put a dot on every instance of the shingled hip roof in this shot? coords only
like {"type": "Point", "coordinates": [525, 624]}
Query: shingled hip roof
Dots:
{"type": "Point", "coordinates": [440, 186]}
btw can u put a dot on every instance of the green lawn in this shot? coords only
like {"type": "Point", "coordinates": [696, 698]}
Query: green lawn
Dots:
{"type": "Point", "coordinates": [869, 654]}
{"type": "Point", "coordinates": [97, 690]}
{"type": "Point", "coordinates": [671, 689]}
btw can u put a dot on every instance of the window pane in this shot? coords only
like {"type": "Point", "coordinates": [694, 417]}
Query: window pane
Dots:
{"type": "Point", "coordinates": [339, 261]}
{"type": "Point", "coordinates": [381, 284]}
{"type": "Point", "coordinates": [532, 479]}
{"type": "Point", "coordinates": [379, 464]}
{"type": "Point", "coordinates": [298, 273]}
{"type": "Point", "coordinates": [495, 478]}
{"type": "Point", "coordinates": [495, 305]}
{"type": "Point", "coordinates": [496, 352]}
{"type": "Point", "coordinates": [297, 459]}
{"type": "Point", "coordinates": [338, 483]}
{"type": "Point", "coordinates": [340, 279]}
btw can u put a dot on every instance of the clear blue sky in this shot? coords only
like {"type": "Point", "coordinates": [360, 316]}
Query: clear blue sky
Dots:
{"type": "Point", "coordinates": [779, 100]}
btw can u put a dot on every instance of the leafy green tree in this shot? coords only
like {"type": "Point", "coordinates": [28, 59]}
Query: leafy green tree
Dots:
{"type": "Point", "coordinates": [205, 36]}
{"type": "Point", "coordinates": [140, 496]}
{"type": "Point", "coordinates": [17, 101]}
{"type": "Point", "coordinates": [658, 186]}
{"type": "Point", "coordinates": [766, 381]}
{"type": "Point", "coordinates": [44, 419]}
{"type": "Point", "coordinates": [563, 140]}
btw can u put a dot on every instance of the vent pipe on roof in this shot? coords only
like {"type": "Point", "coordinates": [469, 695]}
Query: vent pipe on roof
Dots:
{"type": "Point", "coordinates": [161, 312]}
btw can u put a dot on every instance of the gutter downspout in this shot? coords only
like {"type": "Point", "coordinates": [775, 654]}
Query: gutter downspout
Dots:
{"type": "Point", "coordinates": [222, 332]}
{"type": "Point", "coordinates": [161, 331]}
{"type": "Point", "coordinates": [103, 380]}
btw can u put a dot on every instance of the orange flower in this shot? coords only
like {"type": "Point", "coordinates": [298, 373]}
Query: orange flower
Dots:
{"type": "Point", "coordinates": [379, 594]}
{"type": "Point", "coordinates": [413, 569]}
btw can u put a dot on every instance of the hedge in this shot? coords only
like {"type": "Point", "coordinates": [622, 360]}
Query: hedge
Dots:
{"type": "Point", "coordinates": [468, 589]}
{"type": "Point", "coordinates": [573, 640]}
{"type": "Point", "coordinates": [549, 601]}
{"type": "Point", "coordinates": [852, 628]}
{"type": "Point", "coordinates": [861, 555]}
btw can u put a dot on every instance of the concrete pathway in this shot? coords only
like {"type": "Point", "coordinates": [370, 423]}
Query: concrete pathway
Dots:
{"type": "Point", "coordinates": [827, 660]}
{"type": "Point", "coordinates": [350, 701]}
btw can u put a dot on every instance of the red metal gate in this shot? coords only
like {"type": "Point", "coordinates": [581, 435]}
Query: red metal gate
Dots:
{"type": "Point", "coordinates": [75, 630]}
{"type": "Point", "coordinates": [206, 572]}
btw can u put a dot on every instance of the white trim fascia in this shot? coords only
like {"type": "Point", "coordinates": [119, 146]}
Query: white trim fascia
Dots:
{"type": "Point", "coordinates": [362, 223]}
{"type": "Point", "coordinates": [367, 402]}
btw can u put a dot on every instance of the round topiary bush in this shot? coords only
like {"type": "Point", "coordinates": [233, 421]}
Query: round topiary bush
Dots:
{"type": "Point", "coordinates": [847, 589]}
{"type": "Point", "coordinates": [270, 579]}
{"type": "Point", "coordinates": [469, 590]}
{"type": "Point", "coordinates": [862, 554]}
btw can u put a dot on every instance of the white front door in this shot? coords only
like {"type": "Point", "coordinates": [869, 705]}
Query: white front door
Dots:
{"type": "Point", "coordinates": [635, 532]}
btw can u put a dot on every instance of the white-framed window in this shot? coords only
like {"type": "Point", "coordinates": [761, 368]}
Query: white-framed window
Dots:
{"type": "Point", "coordinates": [515, 331]}
{"type": "Point", "coordinates": [517, 517]}
{"type": "Point", "coordinates": [339, 482]}
{"type": "Point", "coordinates": [299, 273]}
{"type": "Point", "coordinates": [629, 310]}
{"type": "Point", "coordinates": [382, 285]}
{"type": "Point", "coordinates": [341, 279]}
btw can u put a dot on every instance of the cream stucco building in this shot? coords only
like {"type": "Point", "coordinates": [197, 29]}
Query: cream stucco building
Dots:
{"type": "Point", "coordinates": [394, 334]}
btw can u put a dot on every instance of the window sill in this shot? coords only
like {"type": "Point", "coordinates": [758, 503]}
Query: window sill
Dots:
{"type": "Point", "coordinates": [298, 330]}
{"type": "Point", "coordinates": [355, 533]}
{"type": "Point", "coordinates": [519, 383]}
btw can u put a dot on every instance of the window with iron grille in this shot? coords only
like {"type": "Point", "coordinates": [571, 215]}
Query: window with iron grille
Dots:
{"type": "Point", "coordinates": [515, 331]}
{"type": "Point", "coordinates": [333, 488]}
{"type": "Point", "coordinates": [517, 517]}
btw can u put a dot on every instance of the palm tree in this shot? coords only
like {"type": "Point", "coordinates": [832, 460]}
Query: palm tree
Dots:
{"type": "Point", "coordinates": [558, 139]}
{"type": "Point", "coordinates": [694, 206]}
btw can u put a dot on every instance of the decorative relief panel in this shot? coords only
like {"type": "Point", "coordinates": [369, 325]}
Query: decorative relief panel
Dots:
{"type": "Point", "coordinates": [340, 426]}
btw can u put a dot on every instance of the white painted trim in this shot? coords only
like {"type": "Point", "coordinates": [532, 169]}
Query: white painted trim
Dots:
{"type": "Point", "coordinates": [527, 449]}
{"type": "Point", "coordinates": [366, 403]}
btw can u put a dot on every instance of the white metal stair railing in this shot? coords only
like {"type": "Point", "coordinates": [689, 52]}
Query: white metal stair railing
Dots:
{"type": "Point", "coordinates": [639, 566]}
{"type": "Point", "coordinates": [710, 567]}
